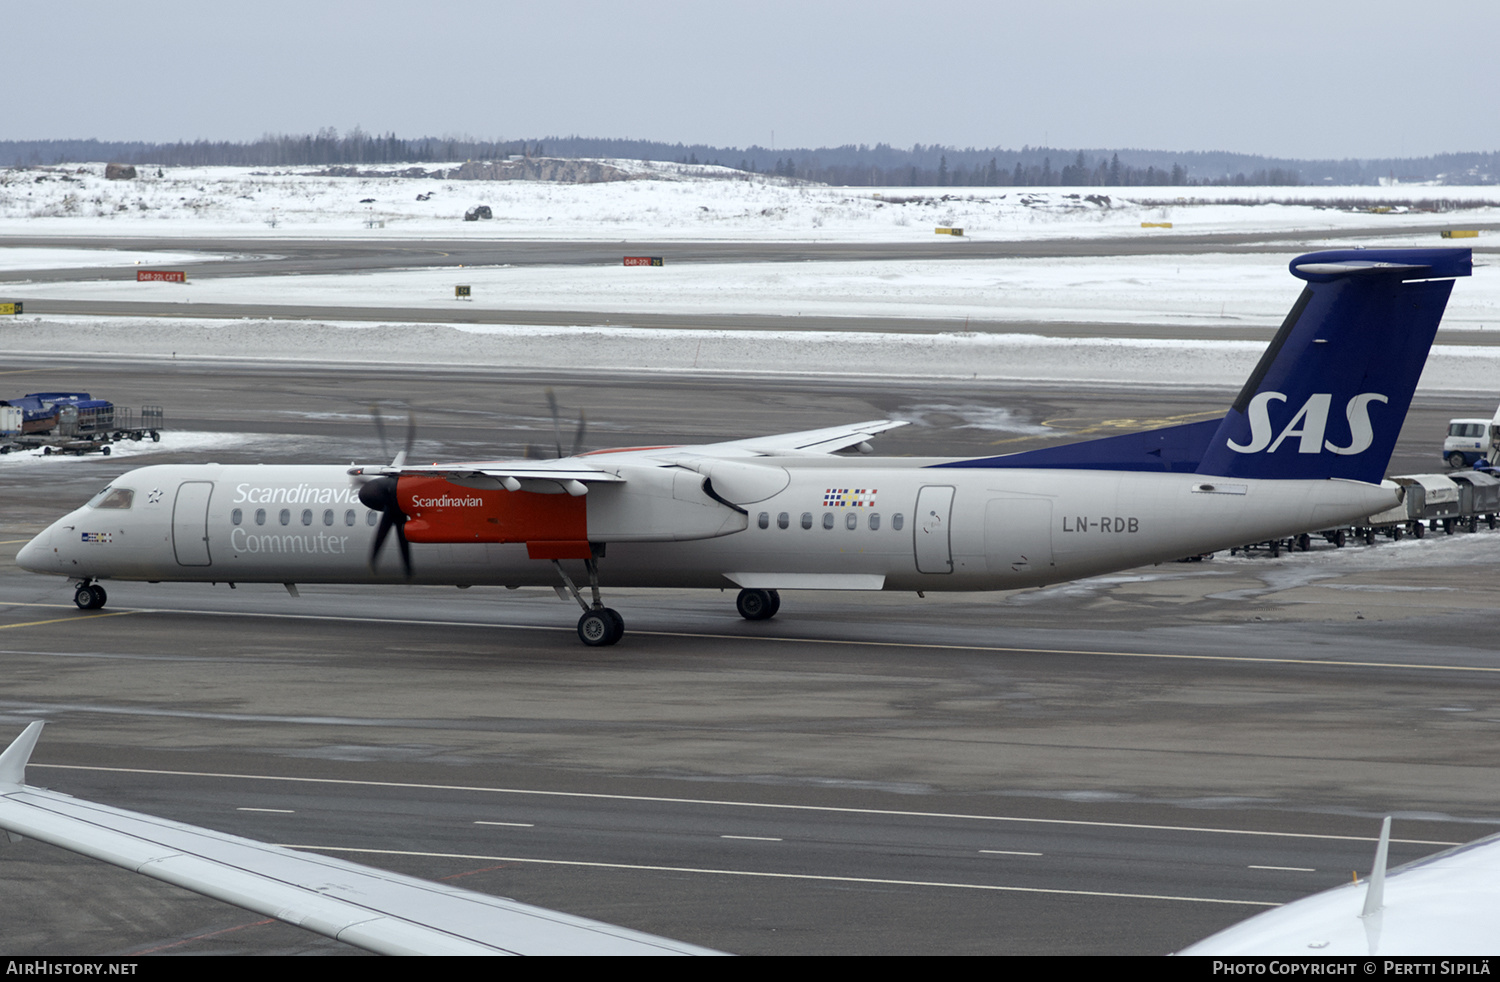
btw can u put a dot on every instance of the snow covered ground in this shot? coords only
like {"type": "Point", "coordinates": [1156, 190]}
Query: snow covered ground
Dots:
{"type": "Point", "coordinates": [669, 203]}
{"type": "Point", "coordinates": [1206, 291]}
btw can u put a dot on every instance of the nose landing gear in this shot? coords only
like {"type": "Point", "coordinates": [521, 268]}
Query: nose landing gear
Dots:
{"type": "Point", "coordinates": [90, 596]}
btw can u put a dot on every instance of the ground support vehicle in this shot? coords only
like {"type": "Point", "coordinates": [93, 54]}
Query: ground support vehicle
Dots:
{"type": "Point", "coordinates": [1466, 442]}
{"type": "Point", "coordinates": [1437, 500]}
{"type": "Point", "coordinates": [72, 423]}
{"type": "Point", "coordinates": [1478, 496]}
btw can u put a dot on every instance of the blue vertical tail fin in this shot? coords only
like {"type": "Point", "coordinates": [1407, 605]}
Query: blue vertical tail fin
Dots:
{"type": "Point", "coordinates": [1328, 398]}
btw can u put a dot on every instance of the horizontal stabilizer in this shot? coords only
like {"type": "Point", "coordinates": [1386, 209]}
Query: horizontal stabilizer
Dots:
{"type": "Point", "coordinates": [1172, 449]}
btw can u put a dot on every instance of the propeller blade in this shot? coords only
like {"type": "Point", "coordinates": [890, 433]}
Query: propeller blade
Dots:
{"type": "Point", "coordinates": [583, 423]}
{"type": "Point", "coordinates": [556, 421]}
{"type": "Point", "coordinates": [385, 450]}
{"type": "Point", "coordinates": [411, 437]}
{"type": "Point", "coordinates": [380, 495]}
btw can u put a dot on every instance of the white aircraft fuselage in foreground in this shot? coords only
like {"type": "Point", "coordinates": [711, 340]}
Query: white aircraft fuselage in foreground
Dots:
{"type": "Point", "coordinates": [1304, 447]}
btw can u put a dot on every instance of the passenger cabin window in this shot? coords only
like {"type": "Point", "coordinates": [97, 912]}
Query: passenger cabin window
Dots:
{"type": "Point", "coordinates": [828, 519]}
{"type": "Point", "coordinates": [349, 517]}
{"type": "Point", "coordinates": [783, 520]}
{"type": "Point", "coordinates": [851, 521]}
{"type": "Point", "coordinates": [260, 516]}
{"type": "Point", "coordinates": [807, 519]}
{"type": "Point", "coordinates": [327, 516]}
{"type": "Point", "coordinates": [874, 521]}
{"type": "Point", "coordinates": [307, 516]}
{"type": "Point", "coordinates": [371, 518]}
{"type": "Point", "coordinates": [897, 521]}
{"type": "Point", "coordinates": [765, 520]}
{"type": "Point", "coordinates": [236, 516]}
{"type": "Point", "coordinates": [113, 497]}
{"type": "Point", "coordinates": [286, 516]}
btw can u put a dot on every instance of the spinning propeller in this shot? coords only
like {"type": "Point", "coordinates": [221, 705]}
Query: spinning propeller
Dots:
{"type": "Point", "coordinates": [530, 452]}
{"type": "Point", "coordinates": [379, 494]}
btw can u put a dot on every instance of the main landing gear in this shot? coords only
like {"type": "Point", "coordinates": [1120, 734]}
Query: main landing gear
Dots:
{"type": "Point", "coordinates": [758, 605]}
{"type": "Point", "coordinates": [90, 596]}
{"type": "Point", "coordinates": [600, 625]}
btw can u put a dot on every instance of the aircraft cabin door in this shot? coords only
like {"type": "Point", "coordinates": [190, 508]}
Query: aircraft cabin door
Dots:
{"type": "Point", "coordinates": [190, 523]}
{"type": "Point", "coordinates": [934, 544]}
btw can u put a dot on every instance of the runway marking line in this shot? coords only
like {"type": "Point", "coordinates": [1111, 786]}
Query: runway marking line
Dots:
{"type": "Point", "coordinates": [74, 620]}
{"type": "Point", "coordinates": [878, 881]}
{"type": "Point", "coordinates": [718, 802]}
{"type": "Point", "coordinates": [1286, 869]}
{"type": "Point", "coordinates": [703, 636]}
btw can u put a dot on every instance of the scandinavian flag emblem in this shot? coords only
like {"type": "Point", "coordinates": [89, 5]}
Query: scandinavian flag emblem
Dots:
{"type": "Point", "coordinates": [849, 498]}
{"type": "Point", "coordinates": [98, 537]}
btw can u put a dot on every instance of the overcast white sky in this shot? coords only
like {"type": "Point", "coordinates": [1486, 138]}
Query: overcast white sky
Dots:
{"type": "Point", "coordinates": [1297, 79]}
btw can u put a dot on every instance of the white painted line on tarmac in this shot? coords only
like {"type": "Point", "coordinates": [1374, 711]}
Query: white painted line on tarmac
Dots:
{"type": "Point", "coordinates": [789, 876]}
{"type": "Point", "coordinates": [828, 809]}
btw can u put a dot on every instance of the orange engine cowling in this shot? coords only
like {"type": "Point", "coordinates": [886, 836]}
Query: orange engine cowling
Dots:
{"type": "Point", "coordinates": [553, 525]}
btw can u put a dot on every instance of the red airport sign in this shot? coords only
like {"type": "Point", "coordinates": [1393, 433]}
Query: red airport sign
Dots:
{"type": "Point", "coordinates": [642, 260]}
{"type": "Point", "coordinates": [160, 276]}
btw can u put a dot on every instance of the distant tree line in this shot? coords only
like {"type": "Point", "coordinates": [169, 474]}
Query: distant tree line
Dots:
{"type": "Point", "coordinates": [1079, 173]}
{"type": "Point", "coordinates": [880, 165]}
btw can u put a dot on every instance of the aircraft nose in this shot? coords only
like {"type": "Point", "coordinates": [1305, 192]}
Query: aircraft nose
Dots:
{"type": "Point", "coordinates": [36, 555]}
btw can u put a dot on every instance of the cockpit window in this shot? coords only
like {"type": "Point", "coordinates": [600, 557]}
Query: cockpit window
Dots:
{"type": "Point", "coordinates": [113, 497]}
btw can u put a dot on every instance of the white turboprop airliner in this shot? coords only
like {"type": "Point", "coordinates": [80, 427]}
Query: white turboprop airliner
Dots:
{"type": "Point", "coordinates": [1304, 447]}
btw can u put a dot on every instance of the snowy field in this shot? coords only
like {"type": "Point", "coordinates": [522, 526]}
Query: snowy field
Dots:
{"type": "Point", "coordinates": [1202, 291]}
{"type": "Point", "coordinates": [670, 203]}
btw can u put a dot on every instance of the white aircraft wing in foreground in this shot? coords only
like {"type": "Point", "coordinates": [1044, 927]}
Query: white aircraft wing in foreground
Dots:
{"type": "Point", "coordinates": [369, 908]}
{"type": "Point", "coordinates": [1447, 904]}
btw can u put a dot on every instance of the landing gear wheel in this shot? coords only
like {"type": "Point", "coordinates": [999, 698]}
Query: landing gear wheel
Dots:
{"type": "Point", "coordinates": [1339, 538]}
{"type": "Point", "coordinates": [601, 627]}
{"type": "Point", "coordinates": [757, 605]}
{"type": "Point", "coordinates": [90, 597]}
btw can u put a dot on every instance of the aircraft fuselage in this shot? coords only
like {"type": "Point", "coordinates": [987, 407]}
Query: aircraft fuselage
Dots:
{"type": "Point", "coordinates": [779, 523]}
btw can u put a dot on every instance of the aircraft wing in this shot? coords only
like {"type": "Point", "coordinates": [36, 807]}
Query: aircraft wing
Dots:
{"type": "Point", "coordinates": [372, 909]}
{"type": "Point", "coordinates": [1442, 905]}
{"type": "Point", "coordinates": [828, 440]}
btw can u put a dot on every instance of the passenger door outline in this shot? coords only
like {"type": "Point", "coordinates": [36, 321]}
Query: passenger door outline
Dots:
{"type": "Point", "coordinates": [190, 523]}
{"type": "Point", "coordinates": [931, 530]}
